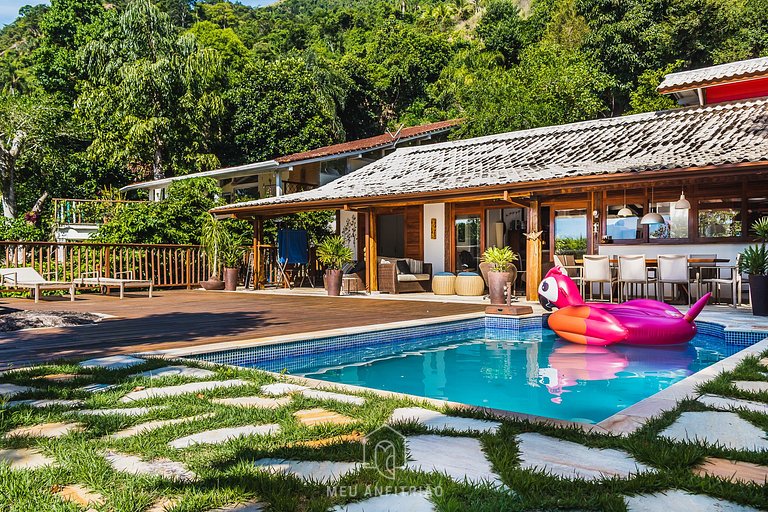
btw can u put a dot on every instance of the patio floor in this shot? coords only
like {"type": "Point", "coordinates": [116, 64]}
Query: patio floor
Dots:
{"type": "Point", "coordinates": [174, 319]}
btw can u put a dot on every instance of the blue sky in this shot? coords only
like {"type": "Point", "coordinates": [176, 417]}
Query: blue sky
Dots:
{"type": "Point", "coordinates": [9, 9]}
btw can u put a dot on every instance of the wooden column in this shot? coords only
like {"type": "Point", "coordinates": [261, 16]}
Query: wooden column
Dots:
{"type": "Point", "coordinates": [533, 252]}
{"type": "Point", "coordinates": [257, 236]}
{"type": "Point", "coordinates": [371, 256]}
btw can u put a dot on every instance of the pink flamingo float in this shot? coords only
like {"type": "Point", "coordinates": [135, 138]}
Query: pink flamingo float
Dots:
{"type": "Point", "coordinates": [635, 322]}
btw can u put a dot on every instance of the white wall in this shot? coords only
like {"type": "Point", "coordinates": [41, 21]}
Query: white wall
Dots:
{"type": "Point", "coordinates": [434, 250]}
{"type": "Point", "coordinates": [348, 230]}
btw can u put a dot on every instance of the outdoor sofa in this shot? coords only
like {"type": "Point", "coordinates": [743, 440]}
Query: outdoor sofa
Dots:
{"type": "Point", "coordinates": [399, 275]}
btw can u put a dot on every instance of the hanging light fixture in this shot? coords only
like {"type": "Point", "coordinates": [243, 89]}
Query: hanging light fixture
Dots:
{"type": "Point", "coordinates": [682, 203]}
{"type": "Point", "coordinates": [625, 212]}
{"type": "Point", "coordinates": [652, 217]}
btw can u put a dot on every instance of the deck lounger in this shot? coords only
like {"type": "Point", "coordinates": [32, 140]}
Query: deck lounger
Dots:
{"type": "Point", "coordinates": [30, 279]}
{"type": "Point", "coordinates": [95, 280]}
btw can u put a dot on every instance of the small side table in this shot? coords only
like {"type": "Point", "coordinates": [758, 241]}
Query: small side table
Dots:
{"type": "Point", "coordinates": [443, 283]}
{"type": "Point", "coordinates": [348, 282]}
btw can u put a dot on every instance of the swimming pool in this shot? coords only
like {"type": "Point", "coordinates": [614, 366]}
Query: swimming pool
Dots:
{"type": "Point", "coordinates": [515, 366]}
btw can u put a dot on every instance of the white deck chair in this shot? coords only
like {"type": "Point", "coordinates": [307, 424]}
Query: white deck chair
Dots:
{"type": "Point", "coordinates": [30, 279]}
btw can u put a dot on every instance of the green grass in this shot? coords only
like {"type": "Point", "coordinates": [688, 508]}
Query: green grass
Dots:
{"type": "Point", "coordinates": [226, 473]}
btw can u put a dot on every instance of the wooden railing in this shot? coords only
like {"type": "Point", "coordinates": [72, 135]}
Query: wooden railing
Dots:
{"type": "Point", "coordinates": [86, 211]}
{"type": "Point", "coordinates": [168, 266]}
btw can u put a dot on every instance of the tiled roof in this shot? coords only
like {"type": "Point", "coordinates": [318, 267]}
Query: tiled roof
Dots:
{"type": "Point", "coordinates": [722, 134]}
{"type": "Point", "coordinates": [732, 70]}
{"type": "Point", "coordinates": [370, 143]}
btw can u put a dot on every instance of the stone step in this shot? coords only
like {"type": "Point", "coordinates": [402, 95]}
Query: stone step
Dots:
{"type": "Point", "coordinates": [727, 404]}
{"type": "Point", "coordinates": [164, 468]}
{"type": "Point", "coordinates": [320, 471]}
{"type": "Point", "coordinates": [163, 504]}
{"type": "Point", "coordinates": [318, 416]}
{"type": "Point", "coordinates": [733, 470]}
{"type": "Point", "coordinates": [97, 388]}
{"type": "Point", "coordinates": [49, 430]}
{"type": "Point", "coordinates": [11, 390]}
{"type": "Point", "coordinates": [440, 421]}
{"type": "Point", "coordinates": [461, 458]}
{"type": "Point", "coordinates": [253, 401]}
{"type": "Point", "coordinates": [152, 425]}
{"type": "Point", "coordinates": [572, 460]}
{"type": "Point", "coordinates": [112, 362]}
{"type": "Point", "coordinates": [222, 435]}
{"type": "Point", "coordinates": [403, 502]}
{"type": "Point", "coordinates": [281, 388]}
{"type": "Point", "coordinates": [251, 506]}
{"type": "Point", "coordinates": [675, 500]}
{"type": "Point", "coordinates": [127, 411]}
{"type": "Point", "coordinates": [175, 371]}
{"type": "Point", "coordinates": [183, 389]}
{"type": "Point", "coordinates": [45, 402]}
{"type": "Point", "coordinates": [318, 394]}
{"type": "Point", "coordinates": [726, 429]}
{"type": "Point", "coordinates": [354, 437]}
{"type": "Point", "coordinates": [82, 496]}
{"type": "Point", "coordinates": [62, 377]}
{"type": "Point", "coordinates": [25, 458]}
{"type": "Point", "coordinates": [751, 386]}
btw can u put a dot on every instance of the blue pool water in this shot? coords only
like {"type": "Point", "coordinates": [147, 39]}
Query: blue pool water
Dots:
{"type": "Point", "coordinates": [535, 374]}
{"type": "Point", "coordinates": [522, 370]}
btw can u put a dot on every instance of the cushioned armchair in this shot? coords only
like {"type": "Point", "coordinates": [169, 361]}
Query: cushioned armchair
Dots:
{"type": "Point", "coordinates": [398, 275]}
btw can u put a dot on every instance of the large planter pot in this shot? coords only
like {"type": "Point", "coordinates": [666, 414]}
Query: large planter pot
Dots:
{"type": "Point", "coordinates": [496, 283]}
{"type": "Point", "coordinates": [758, 295]}
{"type": "Point", "coordinates": [230, 279]}
{"type": "Point", "coordinates": [333, 282]}
{"type": "Point", "coordinates": [213, 283]}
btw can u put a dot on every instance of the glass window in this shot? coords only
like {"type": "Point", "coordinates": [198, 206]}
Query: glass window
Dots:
{"type": "Point", "coordinates": [719, 218]}
{"type": "Point", "coordinates": [624, 228]}
{"type": "Point", "coordinates": [675, 222]}
{"type": "Point", "coordinates": [757, 207]}
{"type": "Point", "coordinates": [571, 232]}
{"type": "Point", "coordinates": [467, 242]}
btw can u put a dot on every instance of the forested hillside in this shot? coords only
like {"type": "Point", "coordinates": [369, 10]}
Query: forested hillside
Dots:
{"type": "Point", "coordinates": [101, 94]}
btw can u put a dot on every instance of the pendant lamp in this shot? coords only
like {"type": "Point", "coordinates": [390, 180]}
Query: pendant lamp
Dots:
{"type": "Point", "coordinates": [625, 212]}
{"type": "Point", "coordinates": [652, 217]}
{"type": "Point", "coordinates": [682, 203]}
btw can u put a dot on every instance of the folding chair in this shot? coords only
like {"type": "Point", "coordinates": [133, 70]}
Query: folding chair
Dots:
{"type": "Point", "coordinates": [293, 249]}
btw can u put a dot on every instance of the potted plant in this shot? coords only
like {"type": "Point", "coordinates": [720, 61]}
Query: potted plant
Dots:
{"type": "Point", "coordinates": [211, 237]}
{"type": "Point", "coordinates": [499, 275]}
{"type": "Point", "coordinates": [754, 262]}
{"type": "Point", "coordinates": [232, 251]}
{"type": "Point", "coordinates": [333, 253]}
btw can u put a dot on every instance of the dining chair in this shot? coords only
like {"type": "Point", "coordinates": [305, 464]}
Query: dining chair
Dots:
{"type": "Point", "coordinates": [575, 272]}
{"type": "Point", "coordinates": [672, 269]}
{"type": "Point", "coordinates": [701, 271]}
{"type": "Point", "coordinates": [732, 279]}
{"type": "Point", "coordinates": [597, 269]}
{"type": "Point", "coordinates": [632, 272]}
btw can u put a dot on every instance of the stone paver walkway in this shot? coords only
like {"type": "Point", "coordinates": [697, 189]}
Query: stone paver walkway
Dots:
{"type": "Point", "coordinates": [183, 389]}
{"type": "Point", "coordinates": [141, 428]}
{"type": "Point", "coordinates": [675, 500]}
{"type": "Point", "coordinates": [281, 388]}
{"type": "Point", "coordinates": [318, 416]}
{"type": "Point", "coordinates": [440, 421]}
{"type": "Point", "coordinates": [573, 460]}
{"type": "Point", "coordinates": [733, 470]}
{"type": "Point", "coordinates": [25, 458]}
{"type": "Point", "coordinates": [222, 435]}
{"type": "Point", "coordinates": [461, 458]}
{"type": "Point", "coordinates": [11, 390]}
{"type": "Point", "coordinates": [82, 496]}
{"type": "Point", "coordinates": [254, 401]}
{"type": "Point", "coordinates": [319, 394]}
{"type": "Point", "coordinates": [403, 502]}
{"type": "Point", "coordinates": [751, 386]}
{"type": "Point", "coordinates": [164, 468]}
{"type": "Point", "coordinates": [49, 430]}
{"type": "Point", "coordinates": [322, 471]}
{"type": "Point", "coordinates": [175, 371]}
{"type": "Point", "coordinates": [97, 388]}
{"type": "Point", "coordinates": [728, 404]}
{"type": "Point", "coordinates": [43, 403]}
{"type": "Point", "coordinates": [127, 411]}
{"type": "Point", "coordinates": [112, 362]}
{"type": "Point", "coordinates": [723, 428]}
{"type": "Point", "coordinates": [251, 506]}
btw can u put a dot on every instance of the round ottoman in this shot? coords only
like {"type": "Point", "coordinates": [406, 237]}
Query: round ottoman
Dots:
{"type": "Point", "coordinates": [442, 283]}
{"type": "Point", "coordinates": [469, 284]}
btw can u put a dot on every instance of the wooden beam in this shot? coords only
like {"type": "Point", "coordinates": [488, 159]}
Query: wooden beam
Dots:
{"type": "Point", "coordinates": [533, 253]}
{"type": "Point", "coordinates": [371, 256]}
{"type": "Point", "coordinates": [257, 236]}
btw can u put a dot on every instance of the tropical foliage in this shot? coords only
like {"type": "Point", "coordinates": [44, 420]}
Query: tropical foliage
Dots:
{"type": "Point", "coordinates": [94, 94]}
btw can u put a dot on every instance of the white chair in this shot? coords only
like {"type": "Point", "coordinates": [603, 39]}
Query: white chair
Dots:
{"type": "Point", "coordinates": [632, 272]}
{"type": "Point", "coordinates": [597, 269]}
{"type": "Point", "coordinates": [672, 269]}
{"type": "Point", "coordinates": [732, 279]}
{"type": "Point", "coordinates": [30, 279]}
{"type": "Point", "coordinates": [702, 271]}
{"type": "Point", "coordinates": [568, 262]}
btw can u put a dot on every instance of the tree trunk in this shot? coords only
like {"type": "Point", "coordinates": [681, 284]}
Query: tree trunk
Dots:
{"type": "Point", "coordinates": [157, 162]}
{"type": "Point", "coordinates": [39, 203]}
{"type": "Point", "coordinates": [8, 158]}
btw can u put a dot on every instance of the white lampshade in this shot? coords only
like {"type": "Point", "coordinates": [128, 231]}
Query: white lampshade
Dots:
{"type": "Point", "coordinates": [626, 212]}
{"type": "Point", "coordinates": [682, 203]}
{"type": "Point", "coordinates": [652, 218]}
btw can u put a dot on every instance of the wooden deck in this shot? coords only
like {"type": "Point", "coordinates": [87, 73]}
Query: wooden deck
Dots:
{"type": "Point", "coordinates": [174, 319]}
